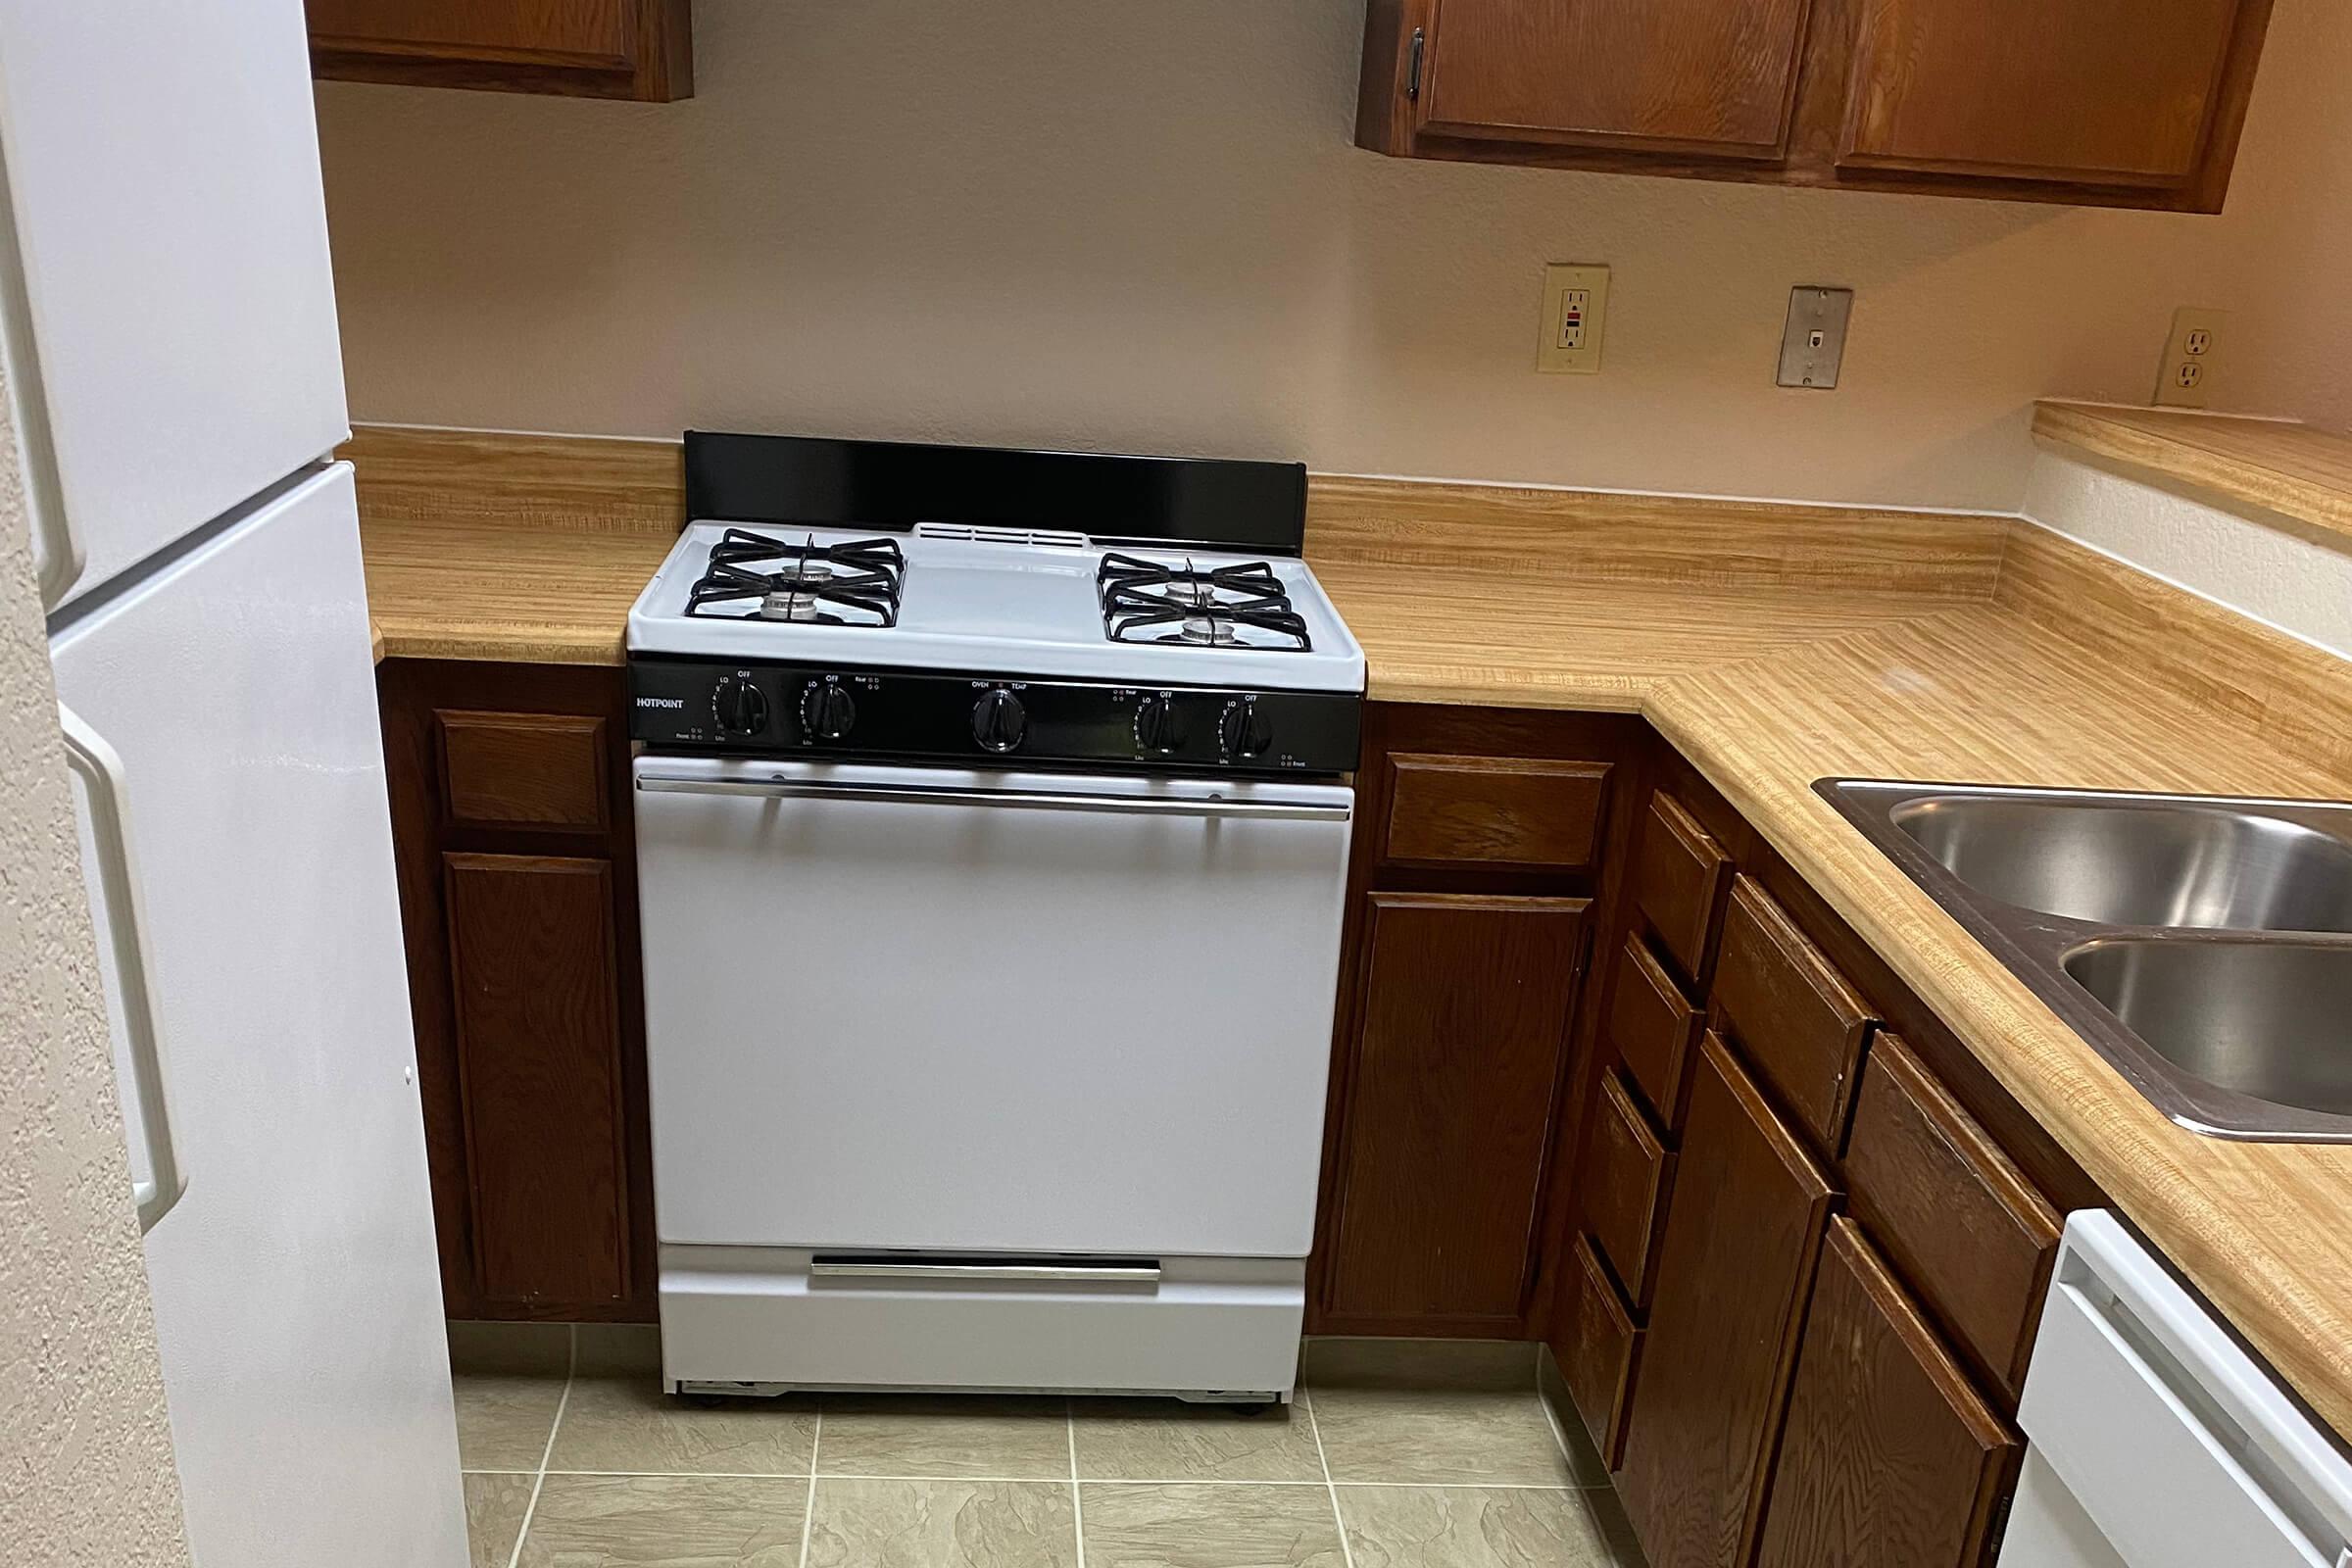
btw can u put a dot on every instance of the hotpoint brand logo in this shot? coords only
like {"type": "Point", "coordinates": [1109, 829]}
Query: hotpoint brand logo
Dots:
{"type": "Point", "coordinates": [661, 701]}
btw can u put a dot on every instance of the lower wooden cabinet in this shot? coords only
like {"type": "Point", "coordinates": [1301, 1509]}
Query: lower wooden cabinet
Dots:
{"type": "Point", "coordinates": [1737, 1259]}
{"type": "Point", "coordinates": [1466, 1007]}
{"type": "Point", "coordinates": [538, 1044]}
{"type": "Point", "coordinates": [1888, 1458]}
{"type": "Point", "coordinates": [518, 900]}
{"type": "Point", "coordinates": [1489, 845]}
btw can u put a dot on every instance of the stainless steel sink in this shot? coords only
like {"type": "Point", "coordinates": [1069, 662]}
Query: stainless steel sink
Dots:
{"type": "Point", "coordinates": [2267, 1019]}
{"type": "Point", "coordinates": [2112, 863]}
{"type": "Point", "coordinates": [2202, 945]}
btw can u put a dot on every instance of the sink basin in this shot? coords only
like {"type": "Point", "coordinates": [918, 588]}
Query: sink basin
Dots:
{"type": "Point", "coordinates": [2114, 863]}
{"type": "Point", "coordinates": [2201, 944]}
{"type": "Point", "coordinates": [2271, 1020]}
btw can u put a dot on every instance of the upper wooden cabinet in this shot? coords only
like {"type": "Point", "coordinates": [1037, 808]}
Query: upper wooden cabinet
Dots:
{"type": "Point", "coordinates": [1697, 75]}
{"type": "Point", "coordinates": [2098, 102]}
{"type": "Point", "coordinates": [640, 49]}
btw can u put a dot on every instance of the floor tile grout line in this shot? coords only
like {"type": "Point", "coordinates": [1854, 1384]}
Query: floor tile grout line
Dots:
{"type": "Point", "coordinates": [1069, 1416]}
{"type": "Point", "coordinates": [1331, 1487]}
{"type": "Point", "coordinates": [816, 1440]}
{"type": "Point", "coordinates": [530, 1510]}
{"type": "Point", "coordinates": [1455, 1485]}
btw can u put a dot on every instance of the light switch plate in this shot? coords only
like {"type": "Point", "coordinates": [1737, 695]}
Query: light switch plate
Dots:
{"type": "Point", "coordinates": [1813, 343]}
{"type": "Point", "coordinates": [1576, 305]}
{"type": "Point", "coordinates": [2185, 381]}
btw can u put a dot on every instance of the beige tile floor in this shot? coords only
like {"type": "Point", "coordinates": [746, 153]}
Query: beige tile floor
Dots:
{"type": "Point", "coordinates": [1410, 1456]}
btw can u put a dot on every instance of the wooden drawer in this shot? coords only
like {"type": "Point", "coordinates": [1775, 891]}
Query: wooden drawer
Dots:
{"type": "Point", "coordinates": [1653, 1027]}
{"type": "Point", "coordinates": [1940, 1200]}
{"type": "Point", "coordinates": [1795, 1019]}
{"type": "Point", "coordinates": [1494, 811]}
{"type": "Point", "coordinates": [1603, 1347]}
{"type": "Point", "coordinates": [523, 771]}
{"type": "Point", "coordinates": [1622, 1176]}
{"type": "Point", "coordinates": [1678, 881]}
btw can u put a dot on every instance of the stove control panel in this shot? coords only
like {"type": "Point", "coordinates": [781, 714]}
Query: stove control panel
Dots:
{"type": "Point", "coordinates": [691, 705]}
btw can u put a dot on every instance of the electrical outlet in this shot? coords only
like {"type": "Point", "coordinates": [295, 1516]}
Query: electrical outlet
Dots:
{"type": "Point", "coordinates": [2185, 381]}
{"type": "Point", "coordinates": [1576, 303]}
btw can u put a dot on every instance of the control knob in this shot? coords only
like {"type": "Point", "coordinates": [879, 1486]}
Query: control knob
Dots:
{"type": "Point", "coordinates": [998, 721]}
{"type": "Point", "coordinates": [827, 712]}
{"type": "Point", "coordinates": [1243, 731]}
{"type": "Point", "coordinates": [1156, 727]}
{"type": "Point", "coordinates": [740, 706]}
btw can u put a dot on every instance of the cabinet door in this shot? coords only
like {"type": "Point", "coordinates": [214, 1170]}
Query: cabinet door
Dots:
{"type": "Point", "coordinates": [1736, 1259]}
{"type": "Point", "coordinates": [607, 48]}
{"type": "Point", "coordinates": [1888, 1456]}
{"type": "Point", "coordinates": [1464, 1022]}
{"type": "Point", "coordinates": [538, 1032]}
{"type": "Point", "coordinates": [1711, 76]}
{"type": "Point", "coordinates": [2115, 92]}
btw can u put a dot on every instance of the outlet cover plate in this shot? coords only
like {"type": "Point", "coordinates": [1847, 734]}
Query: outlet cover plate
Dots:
{"type": "Point", "coordinates": [1576, 305]}
{"type": "Point", "coordinates": [2185, 381]}
{"type": "Point", "coordinates": [1813, 343]}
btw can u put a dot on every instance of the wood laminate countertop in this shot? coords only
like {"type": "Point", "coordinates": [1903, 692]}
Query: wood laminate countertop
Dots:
{"type": "Point", "coordinates": [2277, 467]}
{"type": "Point", "coordinates": [1773, 647]}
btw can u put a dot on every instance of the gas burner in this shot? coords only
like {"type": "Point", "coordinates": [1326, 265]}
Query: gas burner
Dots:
{"type": "Point", "coordinates": [1242, 606]}
{"type": "Point", "coordinates": [752, 576]}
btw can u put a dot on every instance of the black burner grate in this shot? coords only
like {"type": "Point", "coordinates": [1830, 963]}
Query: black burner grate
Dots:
{"type": "Point", "coordinates": [753, 577]}
{"type": "Point", "coordinates": [1226, 607]}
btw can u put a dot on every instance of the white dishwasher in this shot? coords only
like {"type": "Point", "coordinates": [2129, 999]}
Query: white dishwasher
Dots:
{"type": "Point", "coordinates": [2155, 1440]}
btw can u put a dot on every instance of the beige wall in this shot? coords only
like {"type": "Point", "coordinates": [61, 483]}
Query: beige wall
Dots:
{"type": "Point", "coordinates": [1144, 225]}
{"type": "Point", "coordinates": [85, 1451]}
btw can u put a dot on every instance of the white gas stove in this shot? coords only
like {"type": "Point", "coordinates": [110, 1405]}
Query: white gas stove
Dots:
{"type": "Point", "coordinates": [992, 820]}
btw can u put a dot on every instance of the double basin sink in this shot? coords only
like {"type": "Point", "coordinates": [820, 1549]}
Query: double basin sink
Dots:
{"type": "Point", "coordinates": [2202, 945]}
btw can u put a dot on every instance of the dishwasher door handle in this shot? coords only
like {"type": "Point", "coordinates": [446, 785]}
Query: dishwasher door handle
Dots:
{"type": "Point", "coordinates": [1009, 799]}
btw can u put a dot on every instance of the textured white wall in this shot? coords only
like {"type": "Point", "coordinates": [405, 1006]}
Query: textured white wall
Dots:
{"type": "Point", "coordinates": [2297, 579]}
{"type": "Point", "coordinates": [1145, 225]}
{"type": "Point", "coordinates": [86, 1449]}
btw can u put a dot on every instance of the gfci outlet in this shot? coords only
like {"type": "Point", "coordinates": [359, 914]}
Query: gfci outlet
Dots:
{"type": "Point", "coordinates": [1576, 302]}
{"type": "Point", "coordinates": [2185, 381]}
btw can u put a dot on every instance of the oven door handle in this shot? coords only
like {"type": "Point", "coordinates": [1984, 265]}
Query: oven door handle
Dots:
{"type": "Point", "coordinates": [998, 1273]}
{"type": "Point", "coordinates": [1021, 800]}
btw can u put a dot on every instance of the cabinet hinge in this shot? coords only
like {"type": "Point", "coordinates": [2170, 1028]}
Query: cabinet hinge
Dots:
{"type": "Point", "coordinates": [1412, 81]}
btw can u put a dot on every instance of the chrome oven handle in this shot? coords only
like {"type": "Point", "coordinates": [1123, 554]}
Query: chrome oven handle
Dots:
{"type": "Point", "coordinates": [1021, 800]}
{"type": "Point", "coordinates": [1001, 1273]}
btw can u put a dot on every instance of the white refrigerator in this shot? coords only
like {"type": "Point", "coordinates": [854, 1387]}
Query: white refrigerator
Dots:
{"type": "Point", "coordinates": [167, 317]}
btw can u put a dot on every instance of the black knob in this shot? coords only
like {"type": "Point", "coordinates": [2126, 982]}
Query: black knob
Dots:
{"type": "Point", "coordinates": [1243, 730]}
{"type": "Point", "coordinates": [997, 722]}
{"type": "Point", "coordinates": [740, 706]}
{"type": "Point", "coordinates": [827, 712]}
{"type": "Point", "coordinates": [1156, 725]}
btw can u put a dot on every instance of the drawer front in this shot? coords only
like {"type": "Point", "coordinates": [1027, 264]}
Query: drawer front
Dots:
{"type": "Point", "coordinates": [1602, 1350]}
{"type": "Point", "coordinates": [1796, 1017]}
{"type": "Point", "coordinates": [1960, 1222]}
{"type": "Point", "coordinates": [1678, 881]}
{"type": "Point", "coordinates": [1494, 811]}
{"type": "Point", "coordinates": [524, 771]}
{"type": "Point", "coordinates": [1653, 1028]}
{"type": "Point", "coordinates": [1624, 1176]}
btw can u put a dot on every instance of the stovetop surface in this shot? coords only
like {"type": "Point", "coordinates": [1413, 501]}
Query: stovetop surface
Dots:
{"type": "Point", "coordinates": [983, 601]}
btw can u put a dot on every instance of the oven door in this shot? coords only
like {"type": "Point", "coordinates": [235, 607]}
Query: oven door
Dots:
{"type": "Point", "coordinates": [970, 1011]}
